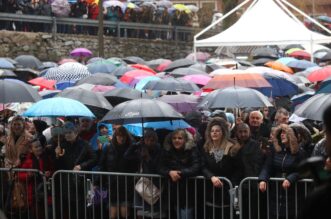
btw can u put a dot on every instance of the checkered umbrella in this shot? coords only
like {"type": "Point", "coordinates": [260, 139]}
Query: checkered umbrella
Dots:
{"type": "Point", "coordinates": [70, 71]}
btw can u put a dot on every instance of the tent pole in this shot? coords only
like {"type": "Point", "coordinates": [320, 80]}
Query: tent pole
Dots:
{"type": "Point", "coordinates": [306, 16]}
{"type": "Point", "coordinates": [281, 4]}
{"type": "Point", "coordinates": [220, 19]}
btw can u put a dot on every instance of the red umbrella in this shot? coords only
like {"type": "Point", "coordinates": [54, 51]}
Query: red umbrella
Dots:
{"type": "Point", "coordinates": [43, 83]}
{"type": "Point", "coordinates": [240, 80]}
{"type": "Point", "coordinates": [143, 67]}
{"type": "Point", "coordinates": [164, 65]}
{"type": "Point", "coordinates": [300, 54]}
{"type": "Point", "coordinates": [320, 74]}
{"type": "Point", "coordinates": [131, 75]}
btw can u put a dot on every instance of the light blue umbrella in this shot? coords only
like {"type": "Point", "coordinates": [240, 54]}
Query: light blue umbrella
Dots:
{"type": "Point", "coordinates": [58, 106]}
{"type": "Point", "coordinates": [301, 64]}
{"type": "Point", "coordinates": [5, 64]}
{"type": "Point", "coordinates": [286, 60]}
{"type": "Point", "coordinates": [144, 81]}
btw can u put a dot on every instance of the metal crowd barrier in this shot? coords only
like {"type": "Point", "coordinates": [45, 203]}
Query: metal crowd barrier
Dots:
{"type": "Point", "coordinates": [23, 194]}
{"type": "Point", "coordinates": [275, 202]}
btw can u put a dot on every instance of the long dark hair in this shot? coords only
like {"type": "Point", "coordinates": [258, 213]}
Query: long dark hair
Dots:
{"type": "Point", "coordinates": [122, 131]}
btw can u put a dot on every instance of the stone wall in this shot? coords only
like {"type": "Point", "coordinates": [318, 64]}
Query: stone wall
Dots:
{"type": "Point", "coordinates": [49, 48]}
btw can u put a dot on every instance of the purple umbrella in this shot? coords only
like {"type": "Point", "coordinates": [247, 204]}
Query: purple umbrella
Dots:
{"type": "Point", "coordinates": [182, 103]}
{"type": "Point", "coordinates": [81, 52]}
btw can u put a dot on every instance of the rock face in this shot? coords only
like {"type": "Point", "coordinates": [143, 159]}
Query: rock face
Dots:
{"type": "Point", "coordinates": [49, 48]}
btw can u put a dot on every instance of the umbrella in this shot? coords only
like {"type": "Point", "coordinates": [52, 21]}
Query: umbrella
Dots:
{"type": "Point", "coordinates": [164, 3]}
{"type": "Point", "coordinates": [134, 60]}
{"type": "Point", "coordinates": [234, 97]}
{"type": "Point", "coordinates": [314, 107]}
{"type": "Point", "coordinates": [6, 64]}
{"type": "Point", "coordinates": [293, 46]}
{"type": "Point", "coordinates": [286, 60]}
{"type": "Point", "coordinates": [307, 71]}
{"type": "Point", "coordinates": [172, 85]}
{"type": "Point", "coordinates": [101, 67]}
{"type": "Point", "coordinates": [131, 75]}
{"type": "Point", "coordinates": [70, 71]}
{"type": "Point", "coordinates": [227, 71]}
{"type": "Point", "coordinates": [25, 74]}
{"type": "Point", "coordinates": [280, 86]}
{"type": "Point", "coordinates": [241, 80]}
{"type": "Point", "coordinates": [300, 79]}
{"type": "Point", "coordinates": [120, 71]}
{"type": "Point", "coordinates": [197, 79]}
{"type": "Point", "coordinates": [120, 95]}
{"type": "Point", "coordinates": [193, 8]}
{"type": "Point", "coordinates": [99, 79]}
{"type": "Point", "coordinates": [102, 88]}
{"type": "Point", "coordinates": [181, 72]}
{"type": "Point", "coordinates": [279, 66]}
{"type": "Point", "coordinates": [325, 86]}
{"type": "Point", "coordinates": [178, 64]}
{"type": "Point", "coordinates": [95, 59]}
{"type": "Point", "coordinates": [142, 110]}
{"type": "Point", "coordinates": [143, 67]}
{"type": "Point", "coordinates": [65, 60]}
{"type": "Point", "coordinates": [324, 18]}
{"type": "Point", "coordinates": [320, 74]}
{"type": "Point", "coordinates": [60, 8]}
{"type": "Point", "coordinates": [28, 61]}
{"type": "Point", "coordinates": [261, 61]}
{"type": "Point", "coordinates": [48, 93]}
{"type": "Point", "coordinates": [300, 98]}
{"type": "Point", "coordinates": [46, 65]}
{"type": "Point", "coordinates": [81, 52]}
{"type": "Point", "coordinates": [301, 64]}
{"type": "Point", "coordinates": [182, 7]}
{"type": "Point", "coordinates": [43, 83]}
{"type": "Point", "coordinates": [264, 52]}
{"type": "Point", "coordinates": [116, 61]}
{"type": "Point", "coordinates": [300, 54]}
{"type": "Point", "coordinates": [266, 70]}
{"type": "Point", "coordinates": [58, 106]}
{"type": "Point", "coordinates": [7, 74]}
{"type": "Point", "coordinates": [156, 62]}
{"type": "Point", "coordinates": [144, 81]}
{"type": "Point", "coordinates": [183, 103]}
{"type": "Point", "coordinates": [199, 56]}
{"type": "Point", "coordinates": [13, 91]}
{"type": "Point", "coordinates": [293, 50]}
{"type": "Point", "coordinates": [323, 56]}
{"type": "Point", "coordinates": [163, 65]}
{"type": "Point", "coordinates": [113, 3]}
{"type": "Point", "coordinates": [96, 102]}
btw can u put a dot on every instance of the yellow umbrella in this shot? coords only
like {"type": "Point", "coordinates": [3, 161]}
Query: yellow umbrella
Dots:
{"type": "Point", "coordinates": [131, 5]}
{"type": "Point", "coordinates": [181, 7]}
{"type": "Point", "coordinates": [292, 50]}
{"type": "Point", "coordinates": [92, 2]}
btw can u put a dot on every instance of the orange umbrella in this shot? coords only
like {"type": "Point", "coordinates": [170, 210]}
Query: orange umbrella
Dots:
{"type": "Point", "coordinates": [131, 75]}
{"type": "Point", "coordinates": [240, 80]}
{"type": "Point", "coordinates": [143, 67]}
{"type": "Point", "coordinates": [43, 83]}
{"type": "Point", "coordinates": [279, 66]}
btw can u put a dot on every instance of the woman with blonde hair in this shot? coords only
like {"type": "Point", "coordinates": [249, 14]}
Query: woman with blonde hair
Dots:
{"type": "Point", "coordinates": [220, 160]}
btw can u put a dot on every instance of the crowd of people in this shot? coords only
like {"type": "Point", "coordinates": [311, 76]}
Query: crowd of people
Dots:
{"type": "Point", "coordinates": [256, 143]}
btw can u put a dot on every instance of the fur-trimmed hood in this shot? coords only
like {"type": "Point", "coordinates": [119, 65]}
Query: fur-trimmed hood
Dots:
{"type": "Point", "coordinates": [188, 145]}
{"type": "Point", "coordinates": [302, 133]}
{"type": "Point", "coordinates": [294, 146]}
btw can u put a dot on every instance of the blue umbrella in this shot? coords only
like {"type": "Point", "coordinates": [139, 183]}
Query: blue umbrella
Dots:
{"type": "Point", "coordinates": [301, 64]}
{"type": "Point", "coordinates": [5, 64]}
{"type": "Point", "coordinates": [300, 98]}
{"type": "Point", "coordinates": [65, 84]}
{"type": "Point", "coordinates": [58, 106]}
{"type": "Point", "coordinates": [324, 18]}
{"type": "Point", "coordinates": [325, 86]}
{"type": "Point", "coordinates": [286, 60]}
{"type": "Point", "coordinates": [144, 81]}
{"type": "Point", "coordinates": [280, 86]}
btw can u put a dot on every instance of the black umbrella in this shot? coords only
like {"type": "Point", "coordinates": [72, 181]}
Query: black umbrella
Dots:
{"type": "Point", "coordinates": [134, 60]}
{"type": "Point", "coordinates": [181, 72]}
{"type": "Point", "coordinates": [179, 63]}
{"type": "Point", "coordinates": [264, 52]}
{"type": "Point", "coordinates": [28, 61]}
{"type": "Point", "coordinates": [99, 79]}
{"type": "Point", "coordinates": [234, 97]}
{"type": "Point", "coordinates": [323, 55]}
{"type": "Point", "coordinates": [7, 74]}
{"type": "Point", "coordinates": [26, 74]}
{"type": "Point", "coordinates": [96, 102]}
{"type": "Point", "coordinates": [141, 110]}
{"type": "Point", "coordinates": [261, 61]}
{"type": "Point", "coordinates": [292, 46]}
{"type": "Point", "coordinates": [155, 63]}
{"type": "Point", "coordinates": [121, 70]}
{"type": "Point", "coordinates": [314, 107]}
{"type": "Point", "coordinates": [171, 84]}
{"type": "Point", "coordinates": [120, 95]}
{"type": "Point", "coordinates": [14, 91]}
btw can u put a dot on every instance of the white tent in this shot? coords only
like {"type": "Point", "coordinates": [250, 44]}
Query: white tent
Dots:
{"type": "Point", "coordinates": [265, 22]}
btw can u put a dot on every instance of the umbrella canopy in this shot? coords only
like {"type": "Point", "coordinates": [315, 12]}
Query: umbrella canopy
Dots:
{"type": "Point", "coordinates": [134, 60]}
{"type": "Point", "coordinates": [141, 84]}
{"type": "Point", "coordinates": [142, 110]}
{"type": "Point", "coordinates": [234, 97]}
{"type": "Point", "coordinates": [143, 67]}
{"type": "Point", "coordinates": [156, 62]}
{"type": "Point", "coordinates": [264, 52]}
{"type": "Point", "coordinates": [43, 83]}
{"type": "Point", "coordinates": [301, 64]}
{"type": "Point", "coordinates": [65, 60]}
{"type": "Point", "coordinates": [99, 79]}
{"type": "Point", "coordinates": [120, 95]}
{"type": "Point", "coordinates": [101, 67]}
{"type": "Point", "coordinates": [279, 66]}
{"type": "Point", "coordinates": [199, 56]}
{"type": "Point", "coordinates": [241, 80]}
{"type": "Point", "coordinates": [179, 63]}
{"type": "Point", "coordinates": [197, 79]}
{"type": "Point", "coordinates": [121, 70]}
{"type": "Point", "coordinates": [181, 72]}
{"type": "Point", "coordinates": [96, 102]}
{"type": "Point", "coordinates": [300, 98]}
{"type": "Point", "coordinates": [95, 59]}
{"type": "Point", "coordinates": [323, 56]}
{"type": "Point", "coordinates": [320, 74]}
{"type": "Point", "coordinates": [50, 108]}
{"type": "Point", "coordinates": [60, 8]}
{"type": "Point", "coordinates": [171, 84]}
{"type": "Point", "coordinates": [7, 74]}
{"type": "Point", "coordinates": [307, 71]}
{"type": "Point", "coordinates": [128, 77]}
{"type": "Point", "coordinates": [13, 91]}
{"type": "Point", "coordinates": [314, 107]}
{"type": "Point", "coordinates": [28, 61]}
{"type": "Point", "coordinates": [300, 54]}
{"type": "Point", "coordinates": [80, 52]}
{"type": "Point", "coordinates": [46, 65]}
{"type": "Point", "coordinates": [280, 86]}
{"type": "Point", "coordinates": [70, 71]}
{"type": "Point", "coordinates": [286, 60]}
{"type": "Point", "coordinates": [261, 61]}
{"type": "Point", "coordinates": [183, 103]}
{"type": "Point", "coordinates": [6, 64]}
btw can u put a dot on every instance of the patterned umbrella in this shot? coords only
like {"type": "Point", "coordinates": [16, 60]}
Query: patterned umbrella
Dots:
{"type": "Point", "coordinates": [70, 71]}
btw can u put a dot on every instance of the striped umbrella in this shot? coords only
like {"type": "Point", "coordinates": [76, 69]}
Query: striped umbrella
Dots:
{"type": "Point", "coordinates": [68, 72]}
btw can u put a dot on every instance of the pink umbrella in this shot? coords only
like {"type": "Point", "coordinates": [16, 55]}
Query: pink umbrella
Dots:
{"type": "Point", "coordinates": [102, 88]}
{"type": "Point", "coordinates": [163, 66]}
{"type": "Point", "coordinates": [320, 74]}
{"type": "Point", "coordinates": [201, 56]}
{"type": "Point", "coordinates": [80, 52]}
{"type": "Point", "coordinates": [137, 79]}
{"type": "Point", "coordinates": [197, 79]}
